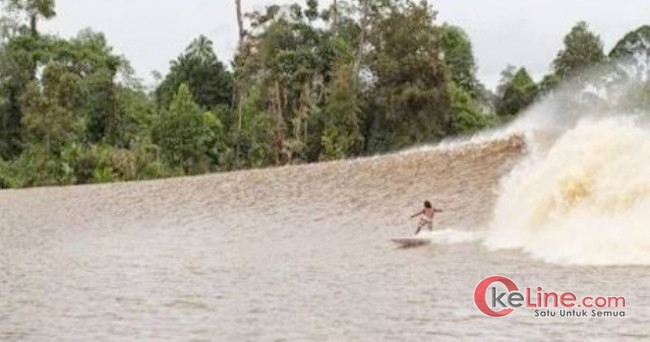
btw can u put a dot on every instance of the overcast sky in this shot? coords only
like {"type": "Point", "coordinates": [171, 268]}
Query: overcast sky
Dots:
{"type": "Point", "coordinates": [520, 32]}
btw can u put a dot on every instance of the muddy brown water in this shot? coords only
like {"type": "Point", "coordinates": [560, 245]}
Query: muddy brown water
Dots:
{"type": "Point", "coordinates": [299, 253]}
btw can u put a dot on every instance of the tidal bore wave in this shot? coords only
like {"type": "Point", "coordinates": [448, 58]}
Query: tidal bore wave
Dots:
{"type": "Point", "coordinates": [575, 195]}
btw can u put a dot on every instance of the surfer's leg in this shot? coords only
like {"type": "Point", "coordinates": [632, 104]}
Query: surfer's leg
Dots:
{"type": "Point", "coordinates": [420, 225]}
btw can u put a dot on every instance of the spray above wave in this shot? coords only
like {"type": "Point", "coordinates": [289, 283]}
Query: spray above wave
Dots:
{"type": "Point", "coordinates": [451, 236]}
{"type": "Point", "coordinates": [581, 195]}
{"type": "Point", "coordinates": [585, 202]}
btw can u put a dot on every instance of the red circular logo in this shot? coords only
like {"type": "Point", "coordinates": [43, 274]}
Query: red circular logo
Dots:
{"type": "Point", "coordinates": [481, 290]}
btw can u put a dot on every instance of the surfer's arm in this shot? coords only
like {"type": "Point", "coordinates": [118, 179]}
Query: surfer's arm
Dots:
{"type": "Point", "coordinates": [418, 213]}
{"type": "Point", "coordinates": [437, 210]}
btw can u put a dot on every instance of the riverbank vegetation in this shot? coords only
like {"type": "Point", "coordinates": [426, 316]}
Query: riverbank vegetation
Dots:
{"type": "Point", "coordinates": [307, 83]}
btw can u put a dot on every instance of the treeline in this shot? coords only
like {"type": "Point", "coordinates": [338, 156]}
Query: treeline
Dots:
{"type": "Point", "coordinates": [307, 83]}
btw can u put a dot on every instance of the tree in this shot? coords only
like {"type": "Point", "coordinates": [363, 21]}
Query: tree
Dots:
{"type": "Point", "coordinates": [15, 64]}
{"type": "Point", "coordinates": [582, 50]}
{"type": "Point", "coordinates": [199, 68]}
{"type": "Point", "coordinates": [35, 10]}
{"type": "Point", "coordinates": [136, 114]}
{"type": "Point", "coordinates": [253, 141]}
{"type": "Point", "coordinates": [89, 56]}
{"type": "Point", "coordinates": [237, 91]}
{"type": "Point", "coordinates": [458, 54]}
{"type": "Point", "coordinates": [549, 83]}
{"type": "Point", "coordinates": [289, 57]}
{"type": "Point", "coordinates": [630, 66]}
{"type": "Point", "coordinates": [467, 116]}
{"type": "Point", "coordinates": [342, 133]}
{"type": "Point", "coordinates": [182, 133]}
{"type": "Point", "coordinates": [410, 81]}
{"type": "Point", "coordinates": [631, 54]}
{"type": "Point", "coordinates": [309, 83]}
{"type": "Point", "coordinates": [49, 108]}
{"type": "Point", "coordinates": [201, 48]}
{"type": "Point", "coordinates": [515, 92]}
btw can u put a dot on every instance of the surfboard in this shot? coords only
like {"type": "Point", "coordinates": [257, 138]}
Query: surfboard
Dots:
{"type": "Point", "coordinates": [411, 241]}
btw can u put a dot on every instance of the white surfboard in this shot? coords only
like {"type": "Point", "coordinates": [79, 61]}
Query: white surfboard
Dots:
{"type": "Point", "coordinates": [411, 241]}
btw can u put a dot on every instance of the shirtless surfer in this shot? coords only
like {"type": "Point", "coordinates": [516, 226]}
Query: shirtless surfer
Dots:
{"type": "Point", "coordinates": [426, 216]}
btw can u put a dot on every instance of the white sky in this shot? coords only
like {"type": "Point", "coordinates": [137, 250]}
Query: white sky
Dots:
{"type": "Point", "coordinates": [150, 33]}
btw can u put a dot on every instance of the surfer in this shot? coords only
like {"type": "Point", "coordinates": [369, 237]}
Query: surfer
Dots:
{"type": "Point", "coordinates": [426, 216]}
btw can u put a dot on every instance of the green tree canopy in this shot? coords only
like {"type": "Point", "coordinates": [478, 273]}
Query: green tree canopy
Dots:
{"type": "Point", "coordinates": [582, 49]}
{"type": "Point", "coordinates": [632, 53]}
{"type": "Point", "coordinates": [200, 69]}
{"type": "Point", "coordinates": [184, 133]}
{"type": "Point", "coordinates": [409, 78]}
{"type": "Point", "coordinates": [515, 92]}
{"type": "Point", "coordinates": [34, 10]}
{"type": "Point", "coordinates": [49, 110]}
{"type": "Point", "coordinates": [459, 56]}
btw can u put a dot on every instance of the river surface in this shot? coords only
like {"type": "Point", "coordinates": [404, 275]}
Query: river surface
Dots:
{"type": "Point", "coordinates": [299, 253]}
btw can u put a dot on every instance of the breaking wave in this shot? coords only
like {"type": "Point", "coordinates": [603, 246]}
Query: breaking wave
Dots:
{"type": "Point", "coordinates": [584, 201]}
{"type": "Point", "coordinates": [581, 194]}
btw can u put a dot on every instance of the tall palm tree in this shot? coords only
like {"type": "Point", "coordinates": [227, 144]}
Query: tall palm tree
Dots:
{"type": "Point", "coordinates": [35, 10]}
{"type": "Point", "coordinates": [201, 48]}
